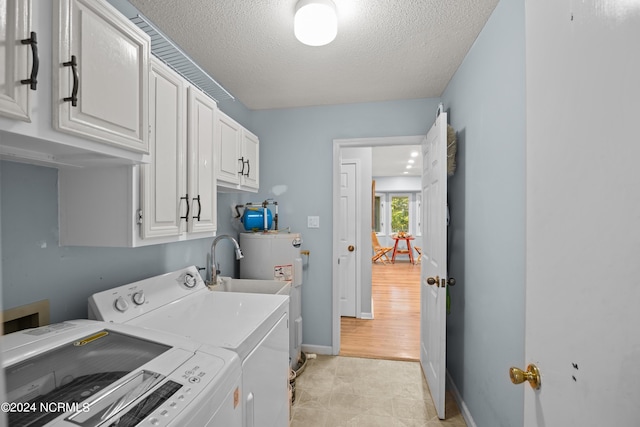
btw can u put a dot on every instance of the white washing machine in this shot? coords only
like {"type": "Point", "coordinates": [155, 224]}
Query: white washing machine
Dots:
{"type": "Point", "coordinates": [88, 373]}
{"type": "Point", "coordinates": [255, 326]}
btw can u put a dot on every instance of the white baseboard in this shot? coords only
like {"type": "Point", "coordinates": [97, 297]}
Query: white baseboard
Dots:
{"type": "Point", "coordinates": [317, 349]}
{"type": "Point", "coordinates": [461, 405]}
{"type": "Point", "coordinates": [366, 316]}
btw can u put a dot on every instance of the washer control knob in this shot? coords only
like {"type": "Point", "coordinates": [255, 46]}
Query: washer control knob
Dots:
{"type": "Point", "coordinates": [138, 298]}
{"type": "Point", "coordinates": [121, 304]}
{"type": "Point", "coordinates": [189, 280]}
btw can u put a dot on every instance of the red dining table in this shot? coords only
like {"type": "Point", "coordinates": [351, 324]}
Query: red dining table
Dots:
{"type": "Point", "coordinates": [407, 239]}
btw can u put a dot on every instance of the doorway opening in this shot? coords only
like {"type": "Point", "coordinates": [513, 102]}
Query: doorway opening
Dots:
{"type": "Point", "coordinates": [398, 274]}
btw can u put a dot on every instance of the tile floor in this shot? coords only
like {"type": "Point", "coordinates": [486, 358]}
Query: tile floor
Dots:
{"type": "Point", "coordinates": [336, 391]}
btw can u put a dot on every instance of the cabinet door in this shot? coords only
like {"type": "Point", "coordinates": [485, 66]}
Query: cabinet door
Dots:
{"type": "Point", "coordinates": [229, 144]}
{"type": "Point", "coordinates": [202, 179]}
{"type": "Point", "coordinates": [251, 155]}
{"type": "Point", "coordinates": [100, 75]}
{"type": "Point", "coordinates": [163, 182]}
{"type": "Point", "coordinates": [15, 58]}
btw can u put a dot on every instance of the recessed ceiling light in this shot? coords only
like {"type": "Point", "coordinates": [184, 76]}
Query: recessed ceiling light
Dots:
{"type": "Point", "coordinates": [414, 154]}
{"type": "Point", "coordinates": [411, 161]}
{"type": "Point", "coordinates": [405, 172]}
{"type": "Point", "coordinates": [409, 166]}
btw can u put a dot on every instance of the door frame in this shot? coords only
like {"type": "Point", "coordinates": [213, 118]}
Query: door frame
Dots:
{"type": "Point", "coordinates": [338, 146]}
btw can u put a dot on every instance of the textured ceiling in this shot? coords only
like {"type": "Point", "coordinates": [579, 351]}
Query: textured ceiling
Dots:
{"type": "Point", "coordinates": [385, 49]}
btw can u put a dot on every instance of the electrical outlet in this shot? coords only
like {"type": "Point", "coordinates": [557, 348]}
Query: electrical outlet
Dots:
{"type": "Point", "coordinates": [313, 222]}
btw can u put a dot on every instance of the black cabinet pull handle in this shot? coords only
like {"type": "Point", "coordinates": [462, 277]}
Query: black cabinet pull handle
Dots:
{"type": "Point", "coordinates": [33, 80]}
{"type": "Point", "coordinates": [248, 168]}
{"type": "Point", "coordinates": [241, 160]}
{"type": "Point", "coordinates": [197, 199]}
{"type": "Point", "coordinates": [74, 92]}
{"type": "Point", "coordinates": [186, 216]}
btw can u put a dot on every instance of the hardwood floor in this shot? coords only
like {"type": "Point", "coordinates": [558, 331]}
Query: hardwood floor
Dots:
{"type": "Point", "coordinates": [394, 333]}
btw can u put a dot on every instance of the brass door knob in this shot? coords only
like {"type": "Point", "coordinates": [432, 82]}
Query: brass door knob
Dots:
{"type": "Point", "coordinates": [434, 280]}
{"type": "Point", "coordinates": [532, 374]}
{"type": "Point", "coordinates": [351, 248]}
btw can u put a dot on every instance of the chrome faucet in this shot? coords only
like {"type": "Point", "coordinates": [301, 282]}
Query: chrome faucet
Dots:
{"type": "Point", "coordinates": [215, 268]}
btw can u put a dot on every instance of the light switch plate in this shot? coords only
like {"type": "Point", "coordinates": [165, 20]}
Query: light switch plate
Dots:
{"type": "Point", "coordinates": [313, 222]}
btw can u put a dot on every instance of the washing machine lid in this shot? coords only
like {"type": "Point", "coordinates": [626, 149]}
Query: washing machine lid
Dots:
{"type": "Point", "coordinates": [232, 320]}
{"type": "Point", "coordinates": [85, 373]}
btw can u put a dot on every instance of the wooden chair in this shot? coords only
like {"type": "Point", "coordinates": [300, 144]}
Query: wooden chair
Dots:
{"type": "Point", "coordinates": [419, 250]}
{"type": "Point", "coordinates": [379, 252]}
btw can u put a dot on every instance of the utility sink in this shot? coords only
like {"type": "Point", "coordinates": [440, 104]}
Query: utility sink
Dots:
{"type": "Point", "coordinates": [252, 286]}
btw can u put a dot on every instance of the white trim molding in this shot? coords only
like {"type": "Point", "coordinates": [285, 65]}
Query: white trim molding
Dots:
{"type": "Point", "coordinates": [464, 410]}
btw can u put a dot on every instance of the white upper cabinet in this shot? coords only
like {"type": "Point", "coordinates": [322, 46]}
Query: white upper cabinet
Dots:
{"type": "Point", "coordinates": [250, 172]}
{"type": "Point", "coordinates": [100, 75]}
{"type": "Point", "coordinates": [173, 198]}
{"type": "Point", "coordinates": [109, 123]}
{"type": "Point", "coordinates": [200, 148]}
{"type": "Point", "coordinates": [18, 59]}
{"type": "Point", "coordinates": [178, 186]}
{"type": "Point", "coordinates": [239, 155]}
{"type": "Point", "coordinates": [228, 135]}
{"type": "Point", "coordinates": [163, 182]}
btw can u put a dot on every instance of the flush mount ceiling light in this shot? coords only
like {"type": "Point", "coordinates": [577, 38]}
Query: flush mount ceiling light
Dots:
{"type": "Point", "coordinates": [315, 22]}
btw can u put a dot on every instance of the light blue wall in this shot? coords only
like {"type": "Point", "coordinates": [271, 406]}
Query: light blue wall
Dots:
{"type": "Point", "coordinates": [486, 103]}
{"type": "Point", "coordinates": [238, 112]}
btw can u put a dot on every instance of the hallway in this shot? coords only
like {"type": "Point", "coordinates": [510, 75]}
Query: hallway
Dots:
{"type": "Point", "coordinates": [394, 333]}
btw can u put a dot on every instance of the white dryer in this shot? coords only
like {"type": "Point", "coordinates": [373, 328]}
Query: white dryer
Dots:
{"type": "Point", "coordinates": [255, 326]}
{"type": "Point", "coordinates": [88, 373]}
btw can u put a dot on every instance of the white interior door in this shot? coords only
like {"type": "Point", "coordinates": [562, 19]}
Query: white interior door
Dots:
{"type": "Point", "coordinates": [347, 265]}
{"type": "Point", "coordinates": [433, 280]}
{"type": "Point", "coordinates": [583, 214]}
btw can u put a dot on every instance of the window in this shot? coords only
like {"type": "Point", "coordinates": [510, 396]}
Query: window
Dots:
{"type": "Point", "coordinates": [394, 212]}
{"type": "Point", "coordinates": [399, 213]}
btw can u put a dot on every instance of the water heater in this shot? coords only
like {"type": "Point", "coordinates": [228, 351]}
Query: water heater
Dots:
{"type": "Point", "coordinates": [276, 256]}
